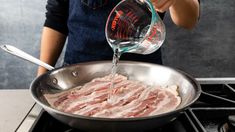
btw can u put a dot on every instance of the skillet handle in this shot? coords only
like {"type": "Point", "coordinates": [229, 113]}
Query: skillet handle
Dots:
{"type": "Point", "coordinates": [21, 54]}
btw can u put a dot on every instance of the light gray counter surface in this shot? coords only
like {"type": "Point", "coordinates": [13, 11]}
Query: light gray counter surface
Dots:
{"type": "Point", "coordinates": [15, 104]}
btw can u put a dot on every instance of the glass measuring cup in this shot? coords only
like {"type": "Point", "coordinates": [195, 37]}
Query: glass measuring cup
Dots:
{"type": "Point", "coordinates": [134, 26]}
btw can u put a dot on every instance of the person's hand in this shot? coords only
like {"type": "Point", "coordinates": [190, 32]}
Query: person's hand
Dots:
{"type": "Point", "coordinates": [162, 5]}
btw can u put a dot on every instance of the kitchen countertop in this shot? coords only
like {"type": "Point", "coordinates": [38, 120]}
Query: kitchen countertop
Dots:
{"type": "Point", "coordinates": [15, 104]}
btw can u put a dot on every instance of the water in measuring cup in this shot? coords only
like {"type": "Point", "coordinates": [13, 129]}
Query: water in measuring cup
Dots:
{"type": "Point", "coordinates": [126, 26]}
{"type": "Point", "coordinates": [153, 40]}
{"type": "Point", "coordinates": [139, 45]}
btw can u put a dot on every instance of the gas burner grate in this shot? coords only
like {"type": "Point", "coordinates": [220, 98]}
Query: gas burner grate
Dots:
{"type": "Point", "coordinates": [216, 95]}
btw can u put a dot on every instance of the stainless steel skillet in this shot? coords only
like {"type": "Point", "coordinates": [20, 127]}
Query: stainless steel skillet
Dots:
{"type": "Point", "coordinates": [70, 76]}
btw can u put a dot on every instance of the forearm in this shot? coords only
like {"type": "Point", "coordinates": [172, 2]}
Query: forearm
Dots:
{"type": "Point", "coordinates": [185, 13]}
{"type": "Point", "coordinates": [52, 43]}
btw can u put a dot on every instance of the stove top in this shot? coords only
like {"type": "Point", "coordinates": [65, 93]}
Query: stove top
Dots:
{"type": "Point", "coordinates": [214, 111]}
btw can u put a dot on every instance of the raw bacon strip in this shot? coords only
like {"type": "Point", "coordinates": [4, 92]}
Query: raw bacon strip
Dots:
{"type": "Point", "coordinates": [141, 108]}
{"type": "Point", "coordinates": [144, 104]}
{"type": "Point", "coordinates": [100, 84]}
{"type": "Point", "coordinates": [55, 99]}
{"type": "Point", "coordinates": [119, 111]}
{"type": "Point", "coordinates": [121, 101]}
{"type": "Point", "coordinates": [91, 87]}
{"type": "Point", "coordinates": [119, 105]}
{"type": "Point", "coordinates": [170, 104]}
{"type": "Point", "coordinates": [74, 105]}
{"type": "Point", "coordinates": [71, 99]}
{"type": "Point", "coordinates": [93, 95]}
{"type": "Point", "coordinates": [131, 99]}
{"type": "Point", "coordinates": [82, 105]}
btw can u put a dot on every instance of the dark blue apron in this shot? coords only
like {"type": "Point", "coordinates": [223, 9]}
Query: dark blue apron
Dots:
{"type": "Point", "coordinates": [86, 37]}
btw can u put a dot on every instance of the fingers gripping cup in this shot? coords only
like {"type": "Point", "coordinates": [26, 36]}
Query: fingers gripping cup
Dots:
{"type": "Point", "coordinates": [134, 26]}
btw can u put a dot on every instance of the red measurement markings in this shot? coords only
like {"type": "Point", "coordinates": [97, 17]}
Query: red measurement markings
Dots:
{"type": "Point", "coordinates": [153, 33]}
{"type": "Point", "coordinates": [116, 18]}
